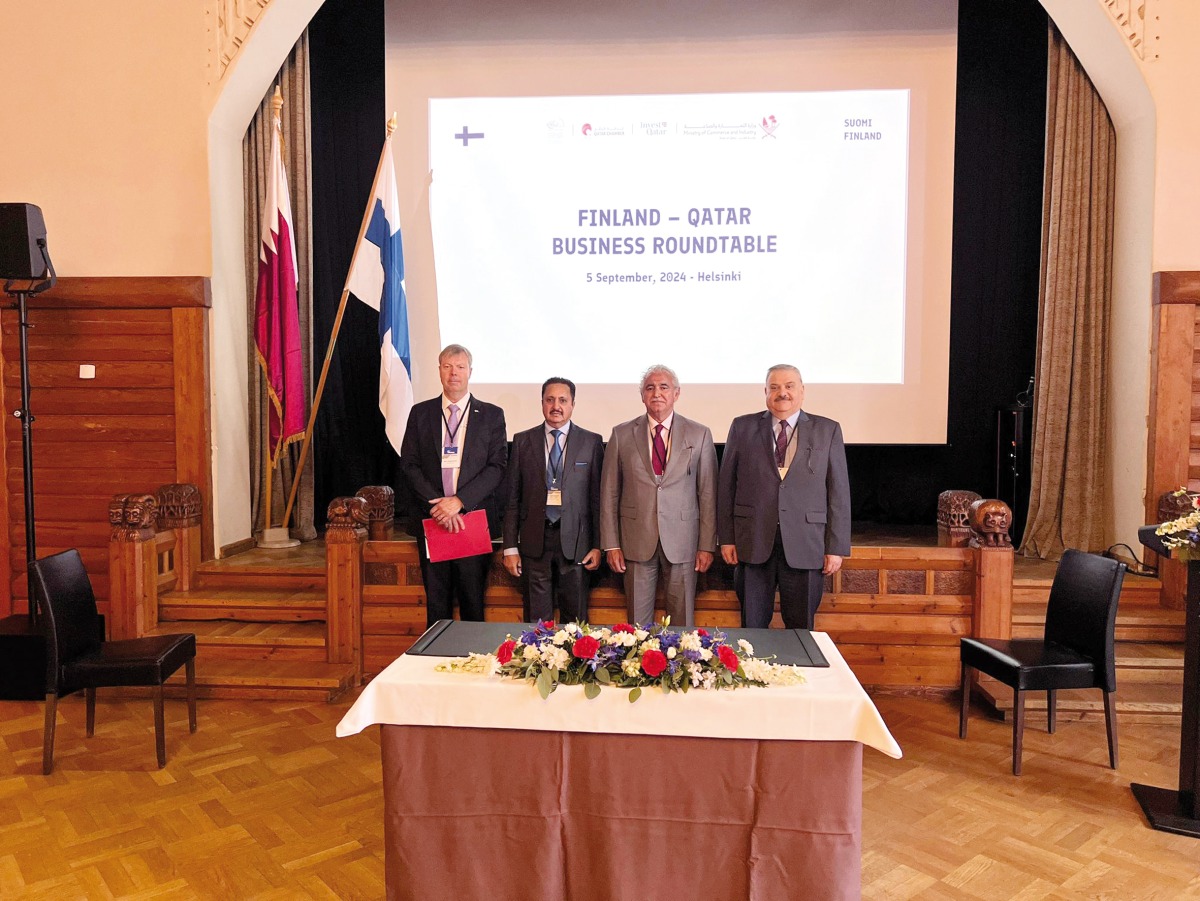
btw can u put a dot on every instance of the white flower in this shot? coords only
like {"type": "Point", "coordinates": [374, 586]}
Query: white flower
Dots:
{"type": "Point", "coordinates": [705, 654]}
{"type": "Point", "coordinates": [690, 641]}
{"type": "Point", "coordinates": [757, 670]}
{"type": "Point", "coordinates": [708, 680]}
{"type": "Point", "coordinates": [640, 634]}
{"type": "Point", "coordinates": [530, 652]}
{"type": "Point", "coordinates": [560, 637]}
{"type": "Point", "coordinates": [693, 672]}
{"type": "Point", "coordinates": [630, 667]}
{"type": "Point", "coordinates": [745, 647]}
{"type": "Point", "coordinates": [570, 627]}
{"type": "Point", "coordinates": [651, 645]}
{"type": "Point", "coordinates": [671, 653]}
{"type": "Point", "coordinates": [555, 658]}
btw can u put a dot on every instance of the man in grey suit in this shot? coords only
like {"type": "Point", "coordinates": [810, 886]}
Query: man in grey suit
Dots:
{"type": "Point", "coordinates": [783, 506]}
{"type": "Point", "coordinates": [552, 519]}
{"type": "Point", "coordinates": [658, 502]}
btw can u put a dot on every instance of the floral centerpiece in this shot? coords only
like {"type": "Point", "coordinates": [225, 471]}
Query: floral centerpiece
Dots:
{"type": "Point", "coordinates": [627, 656]}
{"type": "Point", "coordinates": [1183, 534]}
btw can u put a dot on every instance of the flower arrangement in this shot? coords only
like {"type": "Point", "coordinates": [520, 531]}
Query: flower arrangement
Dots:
{"type": "Point", "coordinates": [1183, 534]}
{"type": "Point", "coordinates": [627, 656]}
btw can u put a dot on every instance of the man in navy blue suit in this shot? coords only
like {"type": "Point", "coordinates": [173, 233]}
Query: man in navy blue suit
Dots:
{"type": "Point", "coordinates": [453, 457]}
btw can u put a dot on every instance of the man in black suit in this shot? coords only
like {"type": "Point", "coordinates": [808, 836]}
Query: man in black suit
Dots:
{"type": "Point", "coordinates": [552, 520]}
{"type": "Point", "coordinates": [453, 457]}
{"type": "Point", "coordinates": [783, 504]}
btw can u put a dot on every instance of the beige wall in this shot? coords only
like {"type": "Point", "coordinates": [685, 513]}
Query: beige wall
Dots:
{"type": "Point", "coordinates": [104, 121]}
{"type": "Point", "coordinates": [112, 127]}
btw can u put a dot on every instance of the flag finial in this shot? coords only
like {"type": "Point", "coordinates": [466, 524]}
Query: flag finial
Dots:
{"type": "Point", "coordinates": [277, 103]}
{"type": "Point", "coordinates": [391, 126]}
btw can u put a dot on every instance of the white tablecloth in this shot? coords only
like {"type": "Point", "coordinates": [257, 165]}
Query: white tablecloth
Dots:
{"type": "Point", "coordinates": [830, 706]}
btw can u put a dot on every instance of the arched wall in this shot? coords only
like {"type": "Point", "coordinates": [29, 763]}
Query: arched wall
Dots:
{"type": "Point", "coordinates": [241, 90]}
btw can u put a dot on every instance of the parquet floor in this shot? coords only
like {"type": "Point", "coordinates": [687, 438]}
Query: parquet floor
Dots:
{"type": "Point", "coordinates": [263, 802]}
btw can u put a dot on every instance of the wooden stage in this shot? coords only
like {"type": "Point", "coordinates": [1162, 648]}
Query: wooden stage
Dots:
{"type": "Point", "coordinates": [896, 611]}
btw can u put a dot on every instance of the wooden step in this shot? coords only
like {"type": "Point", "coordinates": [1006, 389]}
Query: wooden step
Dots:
{"type": "Point", "coordinates": [274, 680]}
{"type": "Point", "coordinates": [219, 574]}
{"type": "Point", "coordinates": [272, 605]}
{"type": "Point", "coordinates": [225, 640]}
{"type": "Point", "coordinates": [1138, 662]}
{"type": "Point", "coordinates": [1137, 623]}
{"type": "Point", "coordinates": [1136, 591]}
{"type": "Point", "coordinates": [1137, 702]}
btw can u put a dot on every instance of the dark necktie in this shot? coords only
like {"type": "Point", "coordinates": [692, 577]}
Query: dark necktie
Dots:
{"type": "Point", "coordinates": [660, 450]}
{"type": "Point", "coordinates": [781, 443]}
{"type": "Point", "coordinates": [554, 474]}
{"type": "Point", "coordinates": [452, 436]}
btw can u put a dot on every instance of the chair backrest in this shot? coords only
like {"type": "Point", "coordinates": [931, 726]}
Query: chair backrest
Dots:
{"type": "Point", "coordinates": [72, 623]}
{"type": "Point", "coordinates": [1082, 614]}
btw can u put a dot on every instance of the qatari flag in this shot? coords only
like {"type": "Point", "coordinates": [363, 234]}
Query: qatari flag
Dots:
{"type": "Point", "coordinates": [276, 311]}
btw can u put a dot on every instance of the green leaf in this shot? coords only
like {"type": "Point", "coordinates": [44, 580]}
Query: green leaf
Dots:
{"type": "Point", "coordinates": [591, 690]}
{"type": "Point", "coordinates": [666, 686]}
{"type": "Point", "coordinates": [634, 694]}
{"type": "Point", "coordinates": [544, 684]}
{"type": "Point", "coordinates": [603, 676]}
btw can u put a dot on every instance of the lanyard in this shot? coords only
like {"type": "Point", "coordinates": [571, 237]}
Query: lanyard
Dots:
{"type": "Point", "coordinates": [450, 435]}
{"type": "Point", "coordinates": [555, 474]}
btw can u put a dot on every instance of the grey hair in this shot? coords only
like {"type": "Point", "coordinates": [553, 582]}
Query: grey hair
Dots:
{"type": "Point", "coordinates": [659, 367]}
{"type": "Point", "coordinates": [454, 350]}
{"type": "Point", "coordinates": [778, 366]}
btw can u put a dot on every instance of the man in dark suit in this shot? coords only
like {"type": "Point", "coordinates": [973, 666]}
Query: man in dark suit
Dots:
{"type": "Point", "coordinates": [658, 502]}
{"type": "Point", "coordinates": [552, 519]}
{"type": "Point", "coordinates": [453, 457]}
{"type": "Point", "coordinates": [783, 504]}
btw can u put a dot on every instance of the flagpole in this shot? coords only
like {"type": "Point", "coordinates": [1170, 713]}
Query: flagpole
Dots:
{"type": "Point", "coordinates": [337, 325]}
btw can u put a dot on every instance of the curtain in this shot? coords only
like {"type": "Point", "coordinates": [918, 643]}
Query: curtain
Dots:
{"type": "Point", "coordinates": [1069, 496]}
{"type": "Point", "coordinates": [296, 120]}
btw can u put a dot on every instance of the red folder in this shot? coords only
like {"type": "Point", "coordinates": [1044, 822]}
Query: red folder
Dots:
{"type": "Point", "coordinates": [473, 539]}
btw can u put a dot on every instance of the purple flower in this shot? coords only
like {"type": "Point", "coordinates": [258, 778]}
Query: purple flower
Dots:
{"type": "Point", "coordinates": [693, 656]}
{"type": "Point", "coordinates": [668, 640]}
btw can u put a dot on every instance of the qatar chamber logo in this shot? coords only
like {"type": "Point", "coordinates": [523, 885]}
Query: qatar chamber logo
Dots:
{"type": "Point", "coordinates": [768, 125]}
{"type": "Point", "coordinates": [587, 128]}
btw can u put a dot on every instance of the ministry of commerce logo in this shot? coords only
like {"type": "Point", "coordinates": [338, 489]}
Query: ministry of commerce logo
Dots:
{"type": "Point", "coordinates": [768, 125]}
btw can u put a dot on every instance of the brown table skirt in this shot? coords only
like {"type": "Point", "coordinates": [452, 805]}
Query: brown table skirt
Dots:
{"type": "Point", "coordinates": [498, 814]}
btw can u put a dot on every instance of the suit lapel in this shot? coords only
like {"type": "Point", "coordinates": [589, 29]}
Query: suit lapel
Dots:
{"type": "Point", "coordinates": [804, 443]}
{"type": "Point", "coordinates": [681, 444]}
{"type": "Point", "coordinates": [766, 431]}
{"type": "Point", "coordinates": [641, 440]}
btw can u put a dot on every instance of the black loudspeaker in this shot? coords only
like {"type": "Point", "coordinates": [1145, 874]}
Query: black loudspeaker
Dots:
{"type": "Point", "coordinates": [21, 227]}
{"type": "Point", "coordinates": [22, 660]}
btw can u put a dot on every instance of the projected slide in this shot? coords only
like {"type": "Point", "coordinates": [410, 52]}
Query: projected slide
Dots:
{"type": "Point", "coordinates": [713, 232]}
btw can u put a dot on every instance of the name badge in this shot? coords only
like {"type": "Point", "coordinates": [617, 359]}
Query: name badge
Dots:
{"type": "Point", "coordinates": [554, 498]}
{"type": "Point", "coordinates": [783, 470]}
{"type": "Point", "coordinates": [451, 458]}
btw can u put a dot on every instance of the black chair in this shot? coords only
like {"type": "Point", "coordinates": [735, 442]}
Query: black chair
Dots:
{"type": "Point", "coordinates": [78, 657]}
{"type": "Point", "coordinates": [1075, 652]}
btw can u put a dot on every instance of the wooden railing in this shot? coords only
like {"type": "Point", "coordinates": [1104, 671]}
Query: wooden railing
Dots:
{"type": "Point", "coordinates": [154, 547]}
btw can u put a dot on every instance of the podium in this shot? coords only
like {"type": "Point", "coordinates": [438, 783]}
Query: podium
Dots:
{"type": "Point", "coordinates": [1170, 810]}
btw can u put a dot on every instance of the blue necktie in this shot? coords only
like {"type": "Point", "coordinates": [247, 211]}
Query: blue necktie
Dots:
{"type": "Point", "coordinates": [553, 472]}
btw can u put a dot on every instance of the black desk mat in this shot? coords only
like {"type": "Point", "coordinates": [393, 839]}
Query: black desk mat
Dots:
{"type": "Point", "coordinates": [451, 638]}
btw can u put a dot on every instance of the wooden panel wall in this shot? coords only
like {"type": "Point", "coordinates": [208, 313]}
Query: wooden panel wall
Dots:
{"type": "Point", "coordinates": [1173, 448]}
{"type": "Point", "coordinates": [142, 422]}
{"type": "Point", "coordinates": [895, 613]}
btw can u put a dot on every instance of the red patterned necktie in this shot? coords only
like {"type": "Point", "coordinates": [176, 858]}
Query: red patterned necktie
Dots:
{"type": "Point", "coordinates": [781, 443]}
{"type": "Point", "coordinates": [660, 450]}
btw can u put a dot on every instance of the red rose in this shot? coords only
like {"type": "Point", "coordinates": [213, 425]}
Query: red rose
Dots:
{"type": "Point", "coordinates": [548, 624]}
{"type": "Point", "coordinates": [585, 647]}
{"type": "Point", "coordinates": [624, 627]}
{"type": "Point", "coordinates": [702, 632]}
{"type": "Point", "coordinates": [728, 657]}
{"type": "Point", "coordinates": [653, 663]}
{"type": "Point", "coordinates": [505, 651]}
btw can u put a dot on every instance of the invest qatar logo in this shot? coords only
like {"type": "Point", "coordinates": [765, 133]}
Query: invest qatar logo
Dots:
{"type": "Point", "coordinates": [587, 129]}
{"type": "Point", "coordinates": [768, 126]}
